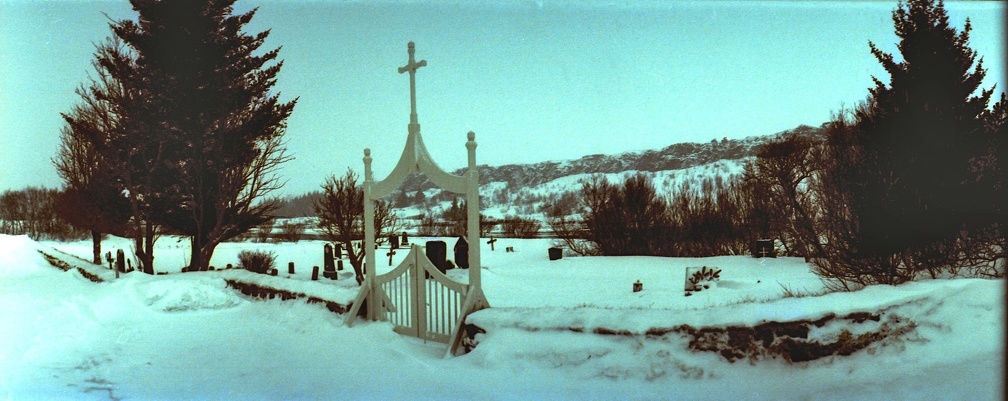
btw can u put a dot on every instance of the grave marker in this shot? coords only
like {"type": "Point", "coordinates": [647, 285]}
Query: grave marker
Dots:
{"type": "Point", "coordinates": [462, 252]}
{"type": "Point", "coordinates": [437, 253]}
{"type": "Point", "coordinates": [555, 253]}
{"type": "Point", "coordinates": [405, 239]}
{"type": "Point", "coordinates": [390, 254]}
{"type": "Point", "coordinates": [327, 261]}
{"type": "Point", "coordinates": [700, 278]}
{"type": "Point", "coordinates": [491, 242]}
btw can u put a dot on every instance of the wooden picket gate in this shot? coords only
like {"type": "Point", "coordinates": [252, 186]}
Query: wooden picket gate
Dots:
{"type": "Point", "coordinates": [428, 308]}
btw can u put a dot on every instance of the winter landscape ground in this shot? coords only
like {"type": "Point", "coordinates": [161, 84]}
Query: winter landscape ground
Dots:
{"type": "Point", "coordinates": [566, 329]}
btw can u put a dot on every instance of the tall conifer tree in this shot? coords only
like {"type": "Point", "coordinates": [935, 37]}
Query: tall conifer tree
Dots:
{"type": "Point", "coordinates": [213, 111]}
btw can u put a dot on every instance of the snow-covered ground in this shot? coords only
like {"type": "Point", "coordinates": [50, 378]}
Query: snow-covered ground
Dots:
{"type": "Point", "coordinates": [549, 335]}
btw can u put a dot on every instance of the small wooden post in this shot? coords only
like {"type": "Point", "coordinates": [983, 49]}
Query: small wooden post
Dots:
{"type": "Point", "coordinates": [314, 273]}
{"type": "Point", "coordinates": [290, 267]}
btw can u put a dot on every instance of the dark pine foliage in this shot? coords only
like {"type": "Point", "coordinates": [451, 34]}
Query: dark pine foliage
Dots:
{"type": "Point", "coordinates": [217, 125]}
{"type": "Point", "coordinates": [918, 135]}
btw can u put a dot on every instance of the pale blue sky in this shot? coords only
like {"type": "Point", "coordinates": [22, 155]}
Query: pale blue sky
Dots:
{"type": "Point", "coordinates": [535, 80]}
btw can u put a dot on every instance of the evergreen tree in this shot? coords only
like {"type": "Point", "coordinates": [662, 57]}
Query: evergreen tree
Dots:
{"type": "Point", "coordinates": [213, 113]}
{"type": "Point", "coordinates": [917, 135]}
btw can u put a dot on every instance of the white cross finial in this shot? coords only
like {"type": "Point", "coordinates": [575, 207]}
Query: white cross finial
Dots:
{"type": "Point", "coordinates": [412, 66]}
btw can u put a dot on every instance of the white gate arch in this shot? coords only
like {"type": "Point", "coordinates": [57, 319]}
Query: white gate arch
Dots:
{"type": "Point", "coordinates": [416, 159]}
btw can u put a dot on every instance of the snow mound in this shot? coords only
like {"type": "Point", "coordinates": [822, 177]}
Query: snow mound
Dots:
{"type": "Point", "coordinates": [19, 257]}
{"type": "Point", "coordinates": [186, 294]}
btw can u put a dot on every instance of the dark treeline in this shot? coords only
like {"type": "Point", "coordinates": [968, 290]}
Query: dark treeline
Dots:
{"type": "Point", "coordinates": [34, 212]}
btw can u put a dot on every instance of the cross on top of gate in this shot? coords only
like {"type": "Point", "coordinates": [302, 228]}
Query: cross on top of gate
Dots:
{"type": "Point", "coordinates": [412, 66]}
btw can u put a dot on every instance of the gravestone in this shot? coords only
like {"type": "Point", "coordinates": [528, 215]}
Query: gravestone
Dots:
{"type": "Point", "coordinates": [339, 265]}
{"type": "Point", "coordinates": [509, 249]}
{"type": "Point", "coordinates": [120, 261]}
{"type": "Point", "coordinates": [555, 253]}
{"type": "Point", "coordinates": [327, 261]}
{"type": "Point", "coordinates": [764, 248]}
{"type": "Point", "coordinates": [314, 273]}
{"type": "Point", "coordinates": [290, 267]}
{"type": "Point", "coordinates": [393, 241]}
{"type": "Point", "coordinates": [338, 251]}
{"type": "Point", "coordinates": [638, 286]}
{"type": "Point", "coordinates": [491, 242]}
{"type": "Point", "coordinates": [437, 253]}
{"type": "Point", "coordinates": [462, 252]}
{"type": "Point", "coordinates": [405, 239]}
{"type": "Point", "coordinates": [108, 257]}
{"type": "Point", "coordinates": [390, 254]}
{"type": "Point", "coordinates": [701, 278]}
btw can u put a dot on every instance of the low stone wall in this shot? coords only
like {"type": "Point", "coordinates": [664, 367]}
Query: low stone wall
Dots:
{"type": "Point", "coordinates": [258, 291]}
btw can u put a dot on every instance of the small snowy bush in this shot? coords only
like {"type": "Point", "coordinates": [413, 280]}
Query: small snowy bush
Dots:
{"type": "Point", "coordinates": [257, 261]}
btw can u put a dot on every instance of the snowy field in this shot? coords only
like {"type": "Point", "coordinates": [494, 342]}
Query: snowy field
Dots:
{"type": "Point", "coordinates": [567, 329]}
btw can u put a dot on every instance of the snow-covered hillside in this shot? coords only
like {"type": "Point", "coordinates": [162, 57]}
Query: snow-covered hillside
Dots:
{"type": "Point", "coordinates": [566, 329]}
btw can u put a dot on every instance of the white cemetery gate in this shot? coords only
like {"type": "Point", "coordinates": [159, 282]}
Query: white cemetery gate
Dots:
{"type": "Point", "coordinates": [423, 307]}
{"type": "Point", "coordinates": [435, 308]}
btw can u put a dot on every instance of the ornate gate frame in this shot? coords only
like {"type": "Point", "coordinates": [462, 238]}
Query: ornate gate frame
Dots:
{"type": "Point", "coordinates": [416, 159]}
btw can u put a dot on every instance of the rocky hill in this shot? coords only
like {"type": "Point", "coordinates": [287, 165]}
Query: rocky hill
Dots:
{"type": "Point", "coordinates": [673, 157]}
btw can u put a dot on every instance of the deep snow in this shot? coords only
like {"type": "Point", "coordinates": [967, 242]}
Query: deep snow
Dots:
{"type": "Point", "coordinates": [188, 336]}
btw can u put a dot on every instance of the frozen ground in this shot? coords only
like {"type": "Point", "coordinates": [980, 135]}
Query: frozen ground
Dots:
{"type": "Point", "coordinates": [188, 336]}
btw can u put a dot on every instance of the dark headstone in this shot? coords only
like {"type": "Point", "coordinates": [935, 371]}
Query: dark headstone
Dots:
{"type": "Point", "coordinates": [393, 241]}
{"type": "Point", "coordinates": [290, 267]}
{"type": "Point", "coordinates": [491, 242]}
{"type": "Point", "coordinates": [314, 273]}
{"type": "Point", "coordinates": [638, 286]}
{"type": "Point", "coordinates": [555, 253]}
{"type": "Point", "coordinates": [764, 248]}
{"type": "Point", "coordinates": [327, 261]}
{"type": "Point", "coordinates": [339, 265]}
{"type": "Point", "coordinates": [338, 251]}
{"type": "Point", "coordinates": [405, 239]}
{"type": "Point", "coordinates": [120, 261]}
{"type": "Point", "coordinates": [273, 272]}
{"type": "Point", "coordinates": [437, 253]}
{"type": "Point", "coordinates": [462, 253]}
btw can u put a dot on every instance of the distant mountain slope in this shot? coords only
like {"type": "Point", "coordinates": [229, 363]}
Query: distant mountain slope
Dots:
{"type": "Point", "coordinates": [673, 157]}
{"type": "Point", "coordinates": [520, 188]}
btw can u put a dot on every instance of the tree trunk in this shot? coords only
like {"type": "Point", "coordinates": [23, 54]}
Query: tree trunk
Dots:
{"type": "Point", "coordinates": [199, 259]}
{"type": "Point", "coordinates": [96, 247]}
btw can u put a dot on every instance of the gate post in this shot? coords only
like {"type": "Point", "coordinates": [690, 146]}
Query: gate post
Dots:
{"type": "Point", "coordinates": [473, 223]}
{"type": "Point", "coordinates": [369, 239]}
